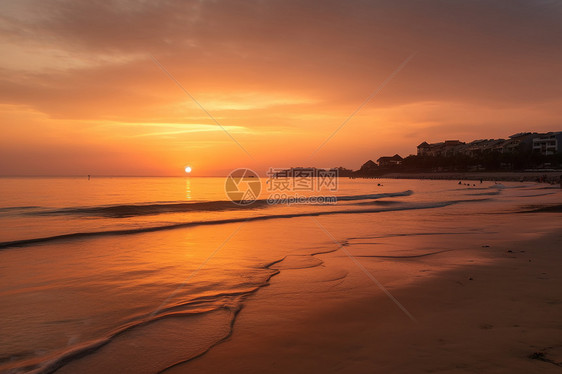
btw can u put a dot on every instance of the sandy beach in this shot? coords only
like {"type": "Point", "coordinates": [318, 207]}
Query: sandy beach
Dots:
{"type": "Point", "coordinates": [497, 311]}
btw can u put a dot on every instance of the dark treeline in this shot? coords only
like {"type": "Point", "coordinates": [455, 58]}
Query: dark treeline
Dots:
{"type": "Point", "coordinates": [489, 161]}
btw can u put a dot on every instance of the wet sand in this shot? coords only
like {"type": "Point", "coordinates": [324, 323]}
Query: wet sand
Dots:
{"type": "Point", "coordinates": [489, 307]}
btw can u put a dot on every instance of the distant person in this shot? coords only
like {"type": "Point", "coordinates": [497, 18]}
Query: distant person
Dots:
{"type": "Point", "coordinates": [88, 176]}
{"type": "Point", "coordinates": [480, 181]}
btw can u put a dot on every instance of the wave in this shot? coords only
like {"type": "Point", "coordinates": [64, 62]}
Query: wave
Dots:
{"type": "Point", "coordinates": [470, 188]}
{"type": "Point", "coordinates": [16, 208]}
{"type": "Point", "coordinates": [375, 196]}
{"type": "Point", "coordinates": [419, 234]}
{"type": "Point", "coordinates": [133, 210]}
{"type": "Point", "coordinates": [78, 235]}
{"type": "Point", "coordinates": [91, 347]}
{"type": "Point", "coordinates": [547, 188]}
{"type": "Point", "coordinates": [407, 256]}
{"type": "Point", "coordinates": [493, 193]}
{"type": "Point", "coordinates": [537, 195]}
{"type": "Point", "coordinates": [502, 186]}
{"type": "Point", "coordinates": [557, 208]}
{"type": "Point", "coordinates": [87, 348]}
{"type": "Point", "coordinates": [234, 308]}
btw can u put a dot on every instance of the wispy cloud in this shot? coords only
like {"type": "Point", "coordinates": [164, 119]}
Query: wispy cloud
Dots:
{"type": "Point", "coordinates": [163, 129]}
{"type": "Point", "coordinates": [236, 129]}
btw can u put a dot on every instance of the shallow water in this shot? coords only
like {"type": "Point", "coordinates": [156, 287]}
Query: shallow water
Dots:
{"type": "Point", "coordinates": [90, 266]}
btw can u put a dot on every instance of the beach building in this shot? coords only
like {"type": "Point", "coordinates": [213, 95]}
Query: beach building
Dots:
{"type": "Point", "coordinates": [390, 161]}
{"type": "Point", "coordinates": [446, 148]}
{"type": "Point", "coordinates": [480, 146]}
{"type": "Point", "coordinates": [368, 166]}
{"type": "Point", "coordinates": [548, 144]}
{"type": "Point", "coordinates": [521, 142]}
{"type": "Point", "coordinates": [424, 149]}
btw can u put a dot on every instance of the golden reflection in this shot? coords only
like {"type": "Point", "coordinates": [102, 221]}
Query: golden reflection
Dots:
{"type": "Point", "coordinates": [188, 188]}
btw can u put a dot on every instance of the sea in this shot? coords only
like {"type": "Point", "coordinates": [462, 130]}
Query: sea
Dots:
{"type": "Point", "coordinates": [152, 272]}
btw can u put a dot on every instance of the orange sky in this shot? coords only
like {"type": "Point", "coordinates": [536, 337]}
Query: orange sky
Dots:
{"type": "Point", "coordinates": [80, 93]}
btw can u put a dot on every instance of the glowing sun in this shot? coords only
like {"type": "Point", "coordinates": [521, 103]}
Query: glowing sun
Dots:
{"type": "Point", "coordinates": [188, 169]}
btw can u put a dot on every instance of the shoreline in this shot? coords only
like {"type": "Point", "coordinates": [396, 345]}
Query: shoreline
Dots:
{"type": "Point", "coordinates": [551, 176]}
{"type": "Point", "coordinates": [319, 308]}
{"type": "Point", "coordinates": [497, 312]}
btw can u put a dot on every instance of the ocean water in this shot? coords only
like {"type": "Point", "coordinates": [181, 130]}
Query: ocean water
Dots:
{"type": "Point", "coordinates": [149, 272]}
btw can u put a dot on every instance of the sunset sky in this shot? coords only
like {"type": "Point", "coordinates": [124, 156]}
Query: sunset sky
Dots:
{"type": "Point", "coordinates": [80, 92]}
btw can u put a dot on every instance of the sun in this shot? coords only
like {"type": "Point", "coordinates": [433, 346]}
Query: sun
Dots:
{"type": "Point", "coordinates": [188, 169]}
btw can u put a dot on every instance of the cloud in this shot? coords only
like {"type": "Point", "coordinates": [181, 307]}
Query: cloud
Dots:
{"type": "Point", "coordinates": [284, 65]}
